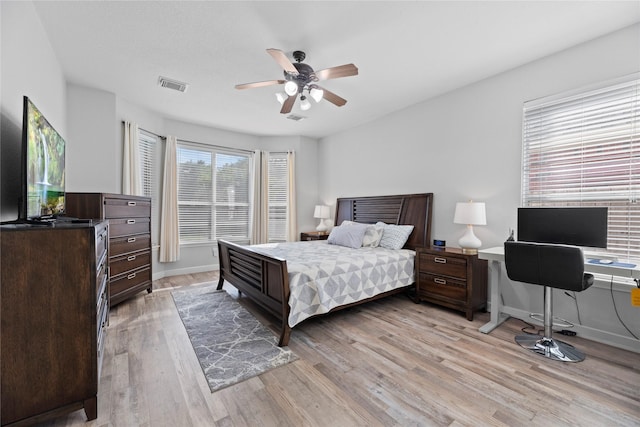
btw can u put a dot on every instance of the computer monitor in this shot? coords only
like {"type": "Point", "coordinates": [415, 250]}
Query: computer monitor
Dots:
{"type": "Point", "coordinates": [578, 226]}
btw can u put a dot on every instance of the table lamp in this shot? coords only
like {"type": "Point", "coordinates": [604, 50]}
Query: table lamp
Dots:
{"type": "Point", "coordinates": [321, 212]}
{"type": "Point", "coordinates": [471, 214]}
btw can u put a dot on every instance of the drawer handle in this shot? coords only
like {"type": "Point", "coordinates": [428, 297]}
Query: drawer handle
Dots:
{"type": "Point", "coordinates": [131, 203]}
{"type": "Point", "coordinates": [131, 239]}
{"type": "Point", "coordinates": [131, 221]}
{"type": "Point", "coordinates": [131, 258]}
{"type": "Point", "coordinates": [440, 260]}
{"type": "Point", "coordinates": [131, 276]}
{"type": "Point", "coordinates": [439, 281]}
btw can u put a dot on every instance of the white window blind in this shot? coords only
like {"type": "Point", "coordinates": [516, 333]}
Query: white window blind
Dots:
{"type": "Point", "coordinates": [149, 146]}
{"type": "Point", "coordinates": [278, 190]}
{"type": "Point", "coordinates": [583, 149]}
{"type": "Point", "coordinates": [213, 194]}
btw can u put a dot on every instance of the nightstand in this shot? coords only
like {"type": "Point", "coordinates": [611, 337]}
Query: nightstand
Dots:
{"type": "Point", "coordinates": [451, 278]}
{"type": "Point", "coordinates": [314, 235]}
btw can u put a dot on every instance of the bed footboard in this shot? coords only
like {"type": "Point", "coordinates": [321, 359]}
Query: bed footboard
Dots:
{"type": "Point", "coordinates": [262, 278]}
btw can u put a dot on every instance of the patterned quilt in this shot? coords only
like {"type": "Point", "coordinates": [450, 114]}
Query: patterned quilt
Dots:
{"type": "Point", "coordinates": [323, 276]}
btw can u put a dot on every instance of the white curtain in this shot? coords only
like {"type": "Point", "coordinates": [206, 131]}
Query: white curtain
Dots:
{"type": "Point", "coordinates": [292, 223]}
{"type": "Point", "coordinates": [131, 170]}
{"type": "Point", "coordinates": [260, 198]}
{"type": "Point", "coordinates": [169, 230]}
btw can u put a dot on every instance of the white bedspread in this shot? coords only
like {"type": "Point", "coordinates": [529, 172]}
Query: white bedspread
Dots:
{"type": "Point", "coordinates": [323, 276]}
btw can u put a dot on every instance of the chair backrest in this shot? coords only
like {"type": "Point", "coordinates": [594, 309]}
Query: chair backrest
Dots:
{"type": "Point", "coordinates": [557, 266]}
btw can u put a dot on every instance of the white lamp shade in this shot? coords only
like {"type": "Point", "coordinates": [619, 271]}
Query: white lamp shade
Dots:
{"type": "Point", "coordinates": [470, 213]}
{"type": "Point", "coordinates": [305, 104]}
{"type": "Point", "coordinates": [316, 94]}
{"type": "Point", "coordinates": [321, 212]}
{"type": "Point", "coordinates": [281, 97]}
{"type": "Point", "coordinates": [291, 88]}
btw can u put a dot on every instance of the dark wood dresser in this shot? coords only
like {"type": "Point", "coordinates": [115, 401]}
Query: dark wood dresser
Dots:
{"type": "Point", "coordinates": [451, 278]}
{"type": "Point", "coordinates": [54, 312]}
{"type": "Point", "coordinates": [129, 238]}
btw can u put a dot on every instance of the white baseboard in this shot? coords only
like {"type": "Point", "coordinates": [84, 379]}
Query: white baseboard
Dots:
{"type": "Point", "coordinates": [179, 271]}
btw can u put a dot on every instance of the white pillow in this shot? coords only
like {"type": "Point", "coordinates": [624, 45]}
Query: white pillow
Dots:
{"type": "Point", "coordinates": [350, 236]}
{"type": "Point", "coordinates": [394, 236]}
{"type": "Point", "coordinates": [372, 235]}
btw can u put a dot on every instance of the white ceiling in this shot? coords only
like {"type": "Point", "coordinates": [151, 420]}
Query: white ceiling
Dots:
{"type": "Point", "coordinates": [406, 52]}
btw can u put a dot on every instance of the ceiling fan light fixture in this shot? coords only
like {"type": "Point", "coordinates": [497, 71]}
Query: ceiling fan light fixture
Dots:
{"type": "Point", "coordinates": [291, 88]}
{"type": "Point", "coordinates": [316, 94]}
{"type": "Point", "coordinates": [281, 97]}
{"type": "Point", "coordinates": [304, 103]}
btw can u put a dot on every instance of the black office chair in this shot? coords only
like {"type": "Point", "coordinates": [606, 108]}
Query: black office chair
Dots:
{"type": "Point", "coordinates": [552, 266]}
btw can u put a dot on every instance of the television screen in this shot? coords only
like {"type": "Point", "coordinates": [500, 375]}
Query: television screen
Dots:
{"type": "Point", "coordinates": [44, 155]}
{"type": "Point", "coordinates": [578, 226]}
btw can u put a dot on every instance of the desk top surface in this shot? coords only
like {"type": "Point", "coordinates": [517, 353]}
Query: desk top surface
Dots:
{"type": "Point", "coordinates": [497, 254]}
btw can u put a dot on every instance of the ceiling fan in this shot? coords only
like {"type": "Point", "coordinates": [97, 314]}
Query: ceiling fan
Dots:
{"type": "Point", "coordinates": [300, 77]}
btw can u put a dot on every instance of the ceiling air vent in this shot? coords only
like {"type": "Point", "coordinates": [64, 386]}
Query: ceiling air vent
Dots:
{"type": "Point", "coordinates": [295, 118]}
{"type": "Point", "coordinates": [172, 84]}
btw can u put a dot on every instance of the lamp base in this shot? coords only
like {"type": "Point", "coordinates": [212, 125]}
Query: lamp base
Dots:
{"type": "Point", "coordinates": [469, 242]}
{"type": "Point", "coordinates": [322, 226]}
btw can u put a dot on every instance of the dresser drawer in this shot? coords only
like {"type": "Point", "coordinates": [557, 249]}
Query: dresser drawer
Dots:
{"type": "Point", "coordinates": [128, 226]}
{"type": "Point", "coordinates": [126, 208]}
{"type": "Point", "coordinates": [124, 245]}
{"type": "Point", "coordinates": [130, 261]}
{"type": "Point", "coordinates": [443, 265]}
{"type": "Point", "coordinates": [126, 281]}
{"type": "Point", "coordinates": [433, 285]}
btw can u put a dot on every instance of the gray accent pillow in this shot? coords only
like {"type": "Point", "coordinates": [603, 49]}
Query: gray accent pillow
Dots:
{"type": "Point", "coordinates": [372, 235]}
{"type": "Point", "coordinates": [348, 235]}
{"type": "Point", "coordinates": [394, 236]}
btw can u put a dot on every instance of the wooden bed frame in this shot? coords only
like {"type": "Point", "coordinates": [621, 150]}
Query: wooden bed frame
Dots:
{"type": "Point", "coordinates": [265, 279]}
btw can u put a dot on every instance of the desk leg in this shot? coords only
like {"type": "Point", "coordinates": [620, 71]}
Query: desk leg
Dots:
{"type": "Point", "coordinates": [497, 317]}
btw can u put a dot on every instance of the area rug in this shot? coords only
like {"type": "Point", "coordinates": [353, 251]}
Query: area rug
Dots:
{"type": "Point", "coordinates": [231, 345]}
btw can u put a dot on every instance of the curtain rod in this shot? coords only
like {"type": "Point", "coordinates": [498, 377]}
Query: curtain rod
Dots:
{"type": "Point", "coordinates": [148, 131]}
{"type": "Point", "coordinates": [215, 146]}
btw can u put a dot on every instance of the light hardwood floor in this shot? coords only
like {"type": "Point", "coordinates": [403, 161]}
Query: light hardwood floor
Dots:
{"type": "Point", "coordinates": [389, 363]}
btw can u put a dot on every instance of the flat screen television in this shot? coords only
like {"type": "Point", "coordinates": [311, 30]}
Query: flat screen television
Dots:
{"type": "Point", "coordinates": [578, 226]}
{"type": "Point", "coordinates": [43, 166]}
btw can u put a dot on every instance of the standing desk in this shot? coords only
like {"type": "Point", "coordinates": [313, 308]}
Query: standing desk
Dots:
{"type": "Point", "coordinates": [495, 256]}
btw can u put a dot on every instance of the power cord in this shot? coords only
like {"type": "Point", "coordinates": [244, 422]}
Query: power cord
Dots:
{"type": "Point", "coordinates": [616, 308]}
{"type": "Point", "coordinates": [575, 300]}
{"type": "Point", "coordinates": [530, 326]}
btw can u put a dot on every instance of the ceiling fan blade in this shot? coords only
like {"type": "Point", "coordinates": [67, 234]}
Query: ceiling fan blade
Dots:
{"type": "Point", "coordinates": [282, 59]}
{"type": "Point", "coordinates": [345, 70]}
{"type": "Point", "coordinates": [287, 105]}
{"type": "Point", "coordinates": [333, 98]}
{"type": "Point", "coordinates": [259, 84]}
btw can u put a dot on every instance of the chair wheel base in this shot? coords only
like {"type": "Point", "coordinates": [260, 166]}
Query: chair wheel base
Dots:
{"type": "Point", "coordinates": [550, 348]}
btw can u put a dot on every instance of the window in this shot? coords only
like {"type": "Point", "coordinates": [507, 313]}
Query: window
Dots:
{"type": "Point", "coordinates": [583, 149]}
{"type": "Point", "coordinates": [149, 149]}
{"type": "Point", "coordinates": [278, 190]}
{"type": "Point", "coordinates": [213, 194]}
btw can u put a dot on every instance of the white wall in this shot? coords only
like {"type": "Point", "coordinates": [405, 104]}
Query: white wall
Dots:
{"type": "Point", "coordinates": [28, 67]}
{"type": "Point", "coordinates": [467, 145]}
{"type": "Point", "coordinates": [93, 157]}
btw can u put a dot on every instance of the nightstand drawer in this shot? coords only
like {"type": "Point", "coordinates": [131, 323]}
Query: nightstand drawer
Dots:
{"type": "Point", "coordinates": [447, 287]}
{"type": "Point", "coordinates": [443, 265]}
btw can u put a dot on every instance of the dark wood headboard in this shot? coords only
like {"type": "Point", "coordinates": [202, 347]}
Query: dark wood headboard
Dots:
{"type": "Point", "coordinates": [406, 209]}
